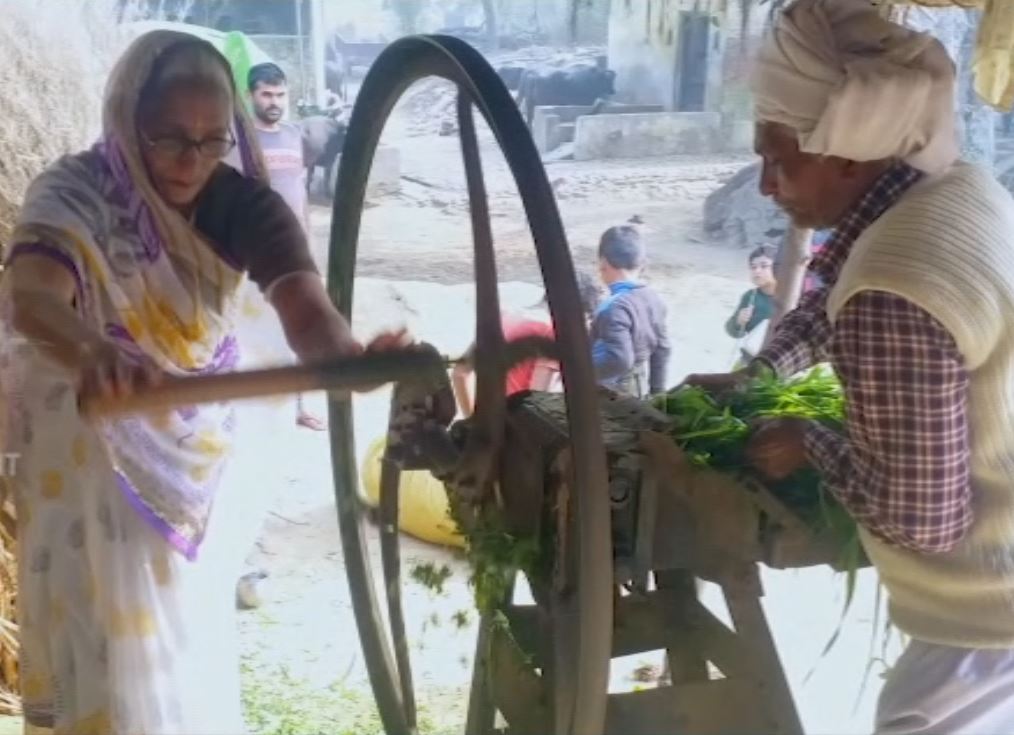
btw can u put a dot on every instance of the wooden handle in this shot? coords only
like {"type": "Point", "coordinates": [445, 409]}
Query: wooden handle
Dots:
{"type": "Point", "coordinates": [343, 376]}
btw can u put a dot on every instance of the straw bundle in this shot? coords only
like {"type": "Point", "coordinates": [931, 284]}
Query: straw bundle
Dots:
{"type": "Point", "coordinates": [55, 55]}
{"type": "Point", "coordinates": [9, 702]}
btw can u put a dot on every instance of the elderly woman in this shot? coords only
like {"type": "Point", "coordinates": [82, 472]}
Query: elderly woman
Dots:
{"type": "Point", "coordinates": [125, 267]}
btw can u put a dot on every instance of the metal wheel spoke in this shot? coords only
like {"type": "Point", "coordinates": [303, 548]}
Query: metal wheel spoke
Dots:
{"type": "Point", "coordinates": [490, 403]}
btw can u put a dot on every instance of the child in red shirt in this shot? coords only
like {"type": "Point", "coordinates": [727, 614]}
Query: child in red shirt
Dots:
{"type": "Point", "coordinates": [535, 374]}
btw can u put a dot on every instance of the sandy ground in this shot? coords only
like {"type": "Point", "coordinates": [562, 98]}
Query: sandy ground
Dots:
{"type": "Point", "coordinates": [415, 271]}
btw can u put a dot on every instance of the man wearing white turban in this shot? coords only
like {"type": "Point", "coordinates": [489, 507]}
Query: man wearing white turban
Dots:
{"type": "Point", "coordinates": [855, 127]}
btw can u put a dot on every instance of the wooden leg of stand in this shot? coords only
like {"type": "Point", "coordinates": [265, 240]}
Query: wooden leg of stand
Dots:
{"type": "Point", "coordinates": [481, 710]}
{"type": "Point", "coordinates": [683, 665]}
{"type": "Point", "coordinates": [742, 595]}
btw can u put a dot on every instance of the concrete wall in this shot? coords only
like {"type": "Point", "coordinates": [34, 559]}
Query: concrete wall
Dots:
{"type": "Point", "coordinates": [546, 122]}
{"type": "Point", "coordinates": [547, 119]}
{"type": "Point", "coordinates": [647, 134]}
{"type": "Point", "coordinates": [644, 50]}
{"type": "Point", "coordinates": [643, 53]}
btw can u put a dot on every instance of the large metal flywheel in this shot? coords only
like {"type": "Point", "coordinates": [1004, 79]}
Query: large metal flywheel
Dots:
{"type": "Point", "coordinates": [583, 603]}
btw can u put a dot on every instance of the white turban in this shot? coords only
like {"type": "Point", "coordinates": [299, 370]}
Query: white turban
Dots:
{"type": "Point", "coordinates": [854, 85]}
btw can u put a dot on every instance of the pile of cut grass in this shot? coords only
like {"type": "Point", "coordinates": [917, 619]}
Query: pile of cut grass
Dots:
{"type": "Point", "coordinates": [713, 431]}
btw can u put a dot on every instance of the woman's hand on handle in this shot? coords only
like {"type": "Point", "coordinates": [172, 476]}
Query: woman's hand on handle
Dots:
{"type": "Point", "coordinates": [391, 341]}
{"type": "Point", "coordinates": [106, 373]}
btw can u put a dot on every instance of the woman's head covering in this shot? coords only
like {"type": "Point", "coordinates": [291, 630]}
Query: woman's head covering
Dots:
{"type": "Point", "coordinates": [165, 282]}
{"type": "Point", "coordinates": [854, 85]}
{"type": "Point", "coordinates": [153, 62]}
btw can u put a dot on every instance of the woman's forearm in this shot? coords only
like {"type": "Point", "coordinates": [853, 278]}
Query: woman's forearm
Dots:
{"type": "Point", "coordinates": [55, 327]}
{"type": "Point", "coordinates": [314, 329]}
{"type": "Point", "coordinates": [322, 338]}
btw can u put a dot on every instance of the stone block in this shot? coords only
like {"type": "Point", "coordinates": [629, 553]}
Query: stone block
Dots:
{"type": "Point", "coordinates": [643, 135]}
{"type": "Point", "coordinates": [546, 117]}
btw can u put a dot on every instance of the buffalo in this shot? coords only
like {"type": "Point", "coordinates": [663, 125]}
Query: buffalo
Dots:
{"type": "Point", "coordinates": [323, 141]}
{"type": "Point", "coordinates": [579, 85]}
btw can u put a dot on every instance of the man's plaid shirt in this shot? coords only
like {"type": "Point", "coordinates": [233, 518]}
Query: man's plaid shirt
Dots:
{"type": "Point", "coordinates": [902, 468]}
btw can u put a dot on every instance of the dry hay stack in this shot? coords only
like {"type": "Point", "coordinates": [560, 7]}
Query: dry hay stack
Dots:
{"type": "Point", "coordinates": [9, 702]}
{"type": "Point", "coordinates": [55, 55]}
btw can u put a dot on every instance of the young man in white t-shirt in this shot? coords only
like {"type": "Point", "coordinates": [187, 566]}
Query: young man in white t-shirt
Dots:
{"type": "Point", "coordinates": [282, 146]}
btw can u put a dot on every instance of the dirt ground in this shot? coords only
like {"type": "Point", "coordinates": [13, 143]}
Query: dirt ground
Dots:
{"type": "Point", "coordinates": [302, 662]}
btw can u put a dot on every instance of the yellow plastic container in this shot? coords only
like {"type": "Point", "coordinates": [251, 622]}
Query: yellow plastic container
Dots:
{"type": "Point", "coordinates": [423, 510]}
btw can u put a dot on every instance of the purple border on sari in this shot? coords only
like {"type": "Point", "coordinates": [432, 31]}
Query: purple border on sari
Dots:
{"type": "Point", "coordinates": [139, 212]}
{"type": "Point", "coordinates": [225, 358]}
{"type": "Point", "coordinates": [226, 355]}
{"type": "Point", "coordinates": [177, 540]}
{"type": "Point", "coordinates": [110, 152]}
{"type": "Point", "coordinates": [53, 253]}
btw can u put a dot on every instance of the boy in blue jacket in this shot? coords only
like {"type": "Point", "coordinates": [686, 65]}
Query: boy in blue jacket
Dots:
{"type": "Point", "coordinates": [630, 344]}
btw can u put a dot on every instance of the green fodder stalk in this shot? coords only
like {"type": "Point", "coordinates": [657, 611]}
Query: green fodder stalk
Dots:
{"type": "Point", "coordinates": [495, 557]}
{"type": "Point", "coordinates": [713, 430]}
{"type": "Point", "coordinates": [430, 576]}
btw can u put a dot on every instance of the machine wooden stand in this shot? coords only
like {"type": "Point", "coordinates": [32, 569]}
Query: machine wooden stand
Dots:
{"type": "Point", "coordinates": [672, 524]}
{"type": "Point", "coordinates": [723, 680]}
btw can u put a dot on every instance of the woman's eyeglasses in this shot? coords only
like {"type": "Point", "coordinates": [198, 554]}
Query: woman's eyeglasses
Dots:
{"type": "Point", "coordinates": [175, 146]}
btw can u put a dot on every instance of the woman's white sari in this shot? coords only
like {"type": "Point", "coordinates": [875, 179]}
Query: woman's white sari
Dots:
{"type": "Point", "coordinates": [126, 612]}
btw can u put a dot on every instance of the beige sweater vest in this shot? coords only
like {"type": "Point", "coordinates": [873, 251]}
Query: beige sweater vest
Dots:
{"type": "Point", "coordinates": [948, 246]}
